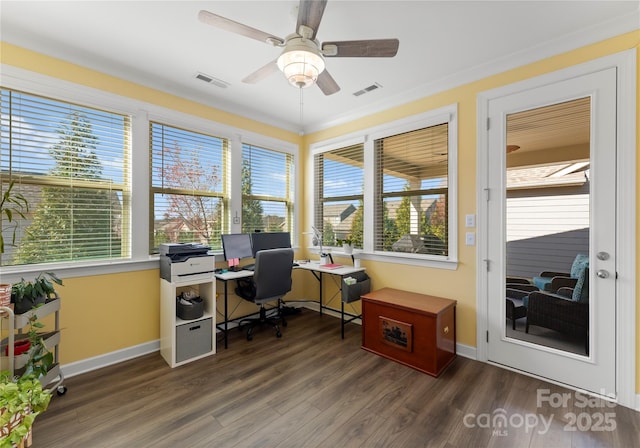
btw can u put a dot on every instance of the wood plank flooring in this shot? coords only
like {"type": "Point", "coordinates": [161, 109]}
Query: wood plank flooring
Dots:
{"type": "Point", "coordinates": [312, 389]}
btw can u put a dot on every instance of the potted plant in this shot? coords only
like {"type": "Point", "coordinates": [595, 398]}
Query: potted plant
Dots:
{"type": "Point", "coordinates": [347, 245]}
{"type": "Point", "coordinates": [12, 206]}
{"type": "Point", "coordinates": [22, 399]}
{"type": "Point", "coordinates": [27, 294]}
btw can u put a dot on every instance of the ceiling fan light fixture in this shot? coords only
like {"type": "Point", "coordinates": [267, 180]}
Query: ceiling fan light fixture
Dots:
{"type": "Point", "coordinates": [301, 63]}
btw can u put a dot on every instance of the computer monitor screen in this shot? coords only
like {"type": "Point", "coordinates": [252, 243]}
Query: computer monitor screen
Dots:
{"type": "Point", "coordinates": [269, 240]}
{"type": "Point", "coordinates": [236, 245]}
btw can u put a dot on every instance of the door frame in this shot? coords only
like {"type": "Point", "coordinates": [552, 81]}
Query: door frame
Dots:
{"type": "Point", "coordinates": [625, 63]}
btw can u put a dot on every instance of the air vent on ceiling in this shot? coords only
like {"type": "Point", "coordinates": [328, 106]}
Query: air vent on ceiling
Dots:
{"type": "Point", "coordinates": [211, 80]}
{"type": "Point", "coordinates": [368, 89]}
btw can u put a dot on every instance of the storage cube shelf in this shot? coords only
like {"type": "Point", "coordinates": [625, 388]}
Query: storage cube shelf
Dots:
{"type": "Point", "coordinates": [183, 341]}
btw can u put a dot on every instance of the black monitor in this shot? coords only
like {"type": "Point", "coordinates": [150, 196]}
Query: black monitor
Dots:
{"type": "Point", "coordinates": [269, 240]}
{"type": "Point", "coordinates": [236, 245]}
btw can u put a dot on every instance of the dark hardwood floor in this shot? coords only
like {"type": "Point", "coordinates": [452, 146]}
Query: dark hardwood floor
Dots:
{"type": "Point", "coordinates": [312, 389]}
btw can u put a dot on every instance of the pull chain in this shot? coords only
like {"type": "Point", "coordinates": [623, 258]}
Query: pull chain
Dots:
{"type": "Point", "coordinates": [301, 109]}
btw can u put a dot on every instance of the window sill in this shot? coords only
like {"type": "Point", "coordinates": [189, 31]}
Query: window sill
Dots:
{"type": "Point", "coordinates": [12, 274]}
{"type": "Point", "coordinates": [397, 258]}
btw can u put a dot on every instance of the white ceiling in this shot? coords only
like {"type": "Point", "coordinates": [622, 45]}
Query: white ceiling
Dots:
{"type": "Point", "coordinates": [162, 44]}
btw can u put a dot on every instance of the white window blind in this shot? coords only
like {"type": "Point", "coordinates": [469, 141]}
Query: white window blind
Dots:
{"type": "Point", "coordinates": [71, 163]}
{"type": "Point", "coordinates": [339, 180]}
{"type": "Point", "coordinates": [189, 191]}
{"type": "Point", "coordinates": [267, 190]}
{"type": "Point", "coordinates": [411, 213]}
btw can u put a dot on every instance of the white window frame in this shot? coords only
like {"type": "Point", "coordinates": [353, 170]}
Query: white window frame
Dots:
{"type": "Point", "coordinates": [447, 114]}
{"type": "Point", "coordinates": [141, 114]}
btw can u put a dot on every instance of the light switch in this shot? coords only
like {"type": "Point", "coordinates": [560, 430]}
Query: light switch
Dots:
{"type": "Point", "coordinates": [470, 238]}
{"type": "Point", "coordinates": [470, 220]}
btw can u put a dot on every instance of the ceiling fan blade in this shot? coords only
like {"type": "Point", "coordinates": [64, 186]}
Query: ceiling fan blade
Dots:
{"type": "Point", "coordinates": [375, 48]}
{"type": "Point", "coordinates": [327, 84]}
{"type": "Point", "coordinates": [261, 73]}
{"type": "Point", "coordinates": [235, 27]}
{"type": "Point", "coordinates": [310, 14]}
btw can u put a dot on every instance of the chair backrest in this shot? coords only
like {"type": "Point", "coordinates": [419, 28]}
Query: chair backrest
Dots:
{"type": "Point", "coordinates": [272, 274]}
{"type": "Point", "coordinates": [579, 263]}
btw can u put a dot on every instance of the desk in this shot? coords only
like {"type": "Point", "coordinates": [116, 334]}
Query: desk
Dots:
{"type": "Point", "coordinates": [313, 266]}
{"type": "Point", "coordinates": [317, 271]}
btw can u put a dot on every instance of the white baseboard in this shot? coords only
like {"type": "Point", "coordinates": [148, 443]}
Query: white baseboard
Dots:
{"type": "Point", "coordinates": [466, 351]}
{"type": "Point", "coordinates": [637, 408]}
{"type": "Point", "coordinates": [97, 362]}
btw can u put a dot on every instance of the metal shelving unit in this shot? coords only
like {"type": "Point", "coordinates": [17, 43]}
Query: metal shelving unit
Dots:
{"type": "Point", "coordinates": [54, 378]}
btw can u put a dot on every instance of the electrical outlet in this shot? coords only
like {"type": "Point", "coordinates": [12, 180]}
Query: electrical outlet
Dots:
{"type": "Point", "coordinates": [470, 238]}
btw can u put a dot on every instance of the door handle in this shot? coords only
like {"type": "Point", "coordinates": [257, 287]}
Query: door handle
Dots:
{"type": "Point", "coordinates": [602, 273]}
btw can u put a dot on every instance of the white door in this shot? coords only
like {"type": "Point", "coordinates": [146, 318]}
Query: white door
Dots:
{"type": "Point", "coordinates": [593, 369]}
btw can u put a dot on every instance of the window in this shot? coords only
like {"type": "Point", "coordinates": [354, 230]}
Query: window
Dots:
{"type": "Point", "coordinates": [339, 179]}
{"type": "Point", "coordinates": [71, 163]}
{"type": "Point", "coordinates": [411, 197]}
{"type": "Point", "coordinates": [391, 189]}
{"type": "Point", "coordinates": [189, 186]}
{"type": "Point", "coordinates": [267, 190]}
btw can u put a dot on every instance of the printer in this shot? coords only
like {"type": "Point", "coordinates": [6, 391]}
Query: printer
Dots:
{"type": "Point", "coordinates": [181, 262]}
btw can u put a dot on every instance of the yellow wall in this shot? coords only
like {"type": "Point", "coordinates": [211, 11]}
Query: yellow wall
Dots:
{"type": "Point", "coordinates": [105, 313]}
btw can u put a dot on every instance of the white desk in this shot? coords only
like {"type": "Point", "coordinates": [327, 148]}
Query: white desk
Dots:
{"type": "Point", "coordinates": [313, 266]}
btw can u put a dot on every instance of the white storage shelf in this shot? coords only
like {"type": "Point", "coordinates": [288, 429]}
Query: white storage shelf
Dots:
{"type": "Point", "coordinates": [16, 330]}
{"type": "Point", "coordinates": [183, 341]}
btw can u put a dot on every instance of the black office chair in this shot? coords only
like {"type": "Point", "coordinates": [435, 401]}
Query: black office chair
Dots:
{"type": "Point", "coordinates": [270, 282]}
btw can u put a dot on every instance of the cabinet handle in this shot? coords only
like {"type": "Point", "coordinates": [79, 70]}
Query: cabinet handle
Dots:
{"type": "Point", "coordinates": [446, 330]}
{"type": "Point", "coordinates": [194, 328]}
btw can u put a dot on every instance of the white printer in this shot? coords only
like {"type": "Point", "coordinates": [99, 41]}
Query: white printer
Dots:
{"type": "Point", "coordinates": [186, 262]}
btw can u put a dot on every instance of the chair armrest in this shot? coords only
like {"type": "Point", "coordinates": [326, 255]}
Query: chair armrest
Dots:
{"type": "Point", "coordinates": [565, 292]}
{"type": "Point", "coordinates": [554, 274]}
{"type": "Point", "coordinates": [515, 293]}
{"type": "Point", "coordinates": [519, 280]}
{"type": "Point", "coordinates": [522, 287]}
{"type": "Point", "coordinates": [562, 282]}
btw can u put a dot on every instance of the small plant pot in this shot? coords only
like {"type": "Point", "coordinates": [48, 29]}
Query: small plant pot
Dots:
{"type": "Point", "coordinates": [19, 347]}
{"type": "Point", "coordinates": [25, 304]}
{"type": "Point", "coordinates": [347, 248]}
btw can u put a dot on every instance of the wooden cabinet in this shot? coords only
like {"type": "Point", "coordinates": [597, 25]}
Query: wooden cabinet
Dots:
{"type": "Point", "coordinates": [414, 329]}
{"type": "Point", "coordinates": [183, 341]}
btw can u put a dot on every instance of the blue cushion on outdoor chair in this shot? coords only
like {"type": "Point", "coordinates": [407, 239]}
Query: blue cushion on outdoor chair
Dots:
{"type": "Point", "coordinates": [581, 290]}
{"type": "Point", "coordinates": [579, 263]}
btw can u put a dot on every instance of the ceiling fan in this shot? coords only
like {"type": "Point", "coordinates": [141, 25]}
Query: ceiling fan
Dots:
{"type": "Point", "coordinates": [302, 58]}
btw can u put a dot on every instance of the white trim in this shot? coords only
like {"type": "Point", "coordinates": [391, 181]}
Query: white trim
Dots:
{"type": "Point", "coordinates": [625, 62]}
{"type": "Point", "coordinates": [100, 361]}
{"type": "Point", "coordinates": [446, 114]}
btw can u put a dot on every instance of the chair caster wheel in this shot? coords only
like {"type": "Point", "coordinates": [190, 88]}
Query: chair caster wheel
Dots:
{"type": "Point", "coordinates": [278, 334]}
{"type": "Point", "coordinates": [61, 390]}
{"type": "Point", "coordinates": [249, 337]}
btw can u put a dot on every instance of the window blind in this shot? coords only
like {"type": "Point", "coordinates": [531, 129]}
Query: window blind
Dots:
{"type": "Point", "coordinates": [71, 163]}
{"type": "Point", "coordinates": [189, 190]}
{"type": "Point", "coordinates": [267, 190]}
{"type": "Point", "coordinates": [339, 180]}
{"type": "Point", "coordinates": [412, 192]}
